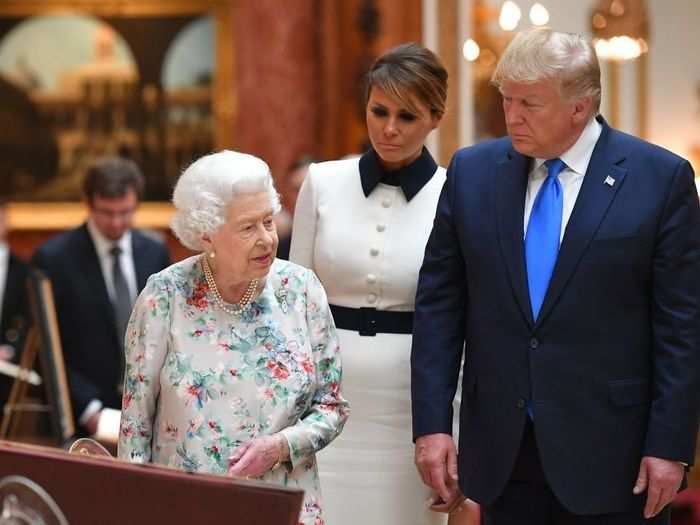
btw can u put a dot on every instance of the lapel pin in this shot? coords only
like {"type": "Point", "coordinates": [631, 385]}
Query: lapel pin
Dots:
{"type": "Point", "coordinates": [609, 181]}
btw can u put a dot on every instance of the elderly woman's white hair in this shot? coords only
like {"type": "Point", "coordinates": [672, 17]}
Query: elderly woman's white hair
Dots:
{"type": "Point", "coordinates": [206, 188]}
{"type": "Point", "coordinates": [567, 58]}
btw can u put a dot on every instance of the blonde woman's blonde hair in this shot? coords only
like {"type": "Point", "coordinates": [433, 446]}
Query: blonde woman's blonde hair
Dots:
{"type": "Point", "coordinates": [541, 54]}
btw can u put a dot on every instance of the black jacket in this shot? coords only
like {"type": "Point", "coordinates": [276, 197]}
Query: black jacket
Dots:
{"type": "Point", "coordinates": [85, 315]}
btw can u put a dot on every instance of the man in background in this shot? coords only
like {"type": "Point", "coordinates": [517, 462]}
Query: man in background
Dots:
{"type": "Point", "coordinates": [15, 316]}
{"type": "Point", "coordinates": [96, 271]}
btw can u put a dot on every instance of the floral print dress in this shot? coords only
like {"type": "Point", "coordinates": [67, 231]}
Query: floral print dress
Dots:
{"type": "Point", "coordinates": [200, 382]}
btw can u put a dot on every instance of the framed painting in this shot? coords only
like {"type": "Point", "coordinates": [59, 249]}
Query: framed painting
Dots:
{"type": "Point", "coordinates": [152, 80]}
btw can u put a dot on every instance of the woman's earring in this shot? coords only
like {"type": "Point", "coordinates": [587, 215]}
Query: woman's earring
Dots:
{"type": "Point", "coordinates": [212, 255]}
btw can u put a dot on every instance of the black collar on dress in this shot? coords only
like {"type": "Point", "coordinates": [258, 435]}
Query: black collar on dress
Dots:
{"type": "Point", "coordinates": [411, 178]}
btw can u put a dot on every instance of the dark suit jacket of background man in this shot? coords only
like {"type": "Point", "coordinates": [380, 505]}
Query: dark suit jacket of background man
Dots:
{"type": "Point", "coordinates": [611, 365]}
{"type": "Point", "coordinates": [85, 314]}
{"type": "Point", "coordinates": [16, 317]}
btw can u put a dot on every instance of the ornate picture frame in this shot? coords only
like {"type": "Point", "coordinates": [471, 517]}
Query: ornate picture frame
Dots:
{"type": "Point", "coordinates": [132, 19]}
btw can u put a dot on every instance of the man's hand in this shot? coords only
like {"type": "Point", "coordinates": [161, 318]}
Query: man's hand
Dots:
{"type": "Point", "coordinates": [7, 352]}
{"type": "Point", "coordinates": [453, 506]}
{"type": "Point", "coordinates": [91, 424]}
{"type": "Point", "coordinates": [661, 478]}
{"type": "Point", "coordinates": [436, 459]}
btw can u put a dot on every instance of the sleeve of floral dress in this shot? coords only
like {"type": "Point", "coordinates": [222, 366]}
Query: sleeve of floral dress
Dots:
{"type": "Point", "coordinates": [328, 411]}
{"type": "Point", "coordinates": [146, 346]}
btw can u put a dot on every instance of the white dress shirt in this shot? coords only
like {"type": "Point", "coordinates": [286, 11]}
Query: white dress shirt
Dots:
{"type": "Point", "coordinates": [126, 259]}
{"type": "Point", "coordinates": [576, 159]}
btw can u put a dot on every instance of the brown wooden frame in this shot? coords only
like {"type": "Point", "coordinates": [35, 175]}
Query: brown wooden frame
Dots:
{"type": "Point", "coordinates": [34, 216]}
{"type": "Point", "coordinates": [51, 356]}
{"type": "Point", "coordinates": [87, 490]}
{"type": "Point", "coordinates": [44, 341]}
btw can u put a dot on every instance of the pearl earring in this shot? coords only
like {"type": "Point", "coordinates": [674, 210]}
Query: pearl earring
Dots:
{"type": "Point", "coordinates": [212, 255]}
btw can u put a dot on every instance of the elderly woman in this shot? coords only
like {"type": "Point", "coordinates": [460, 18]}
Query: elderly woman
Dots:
{"type": "Point", "coordinates": [232, 363]}
{"type": "Point", "coordinates": [362, 225]}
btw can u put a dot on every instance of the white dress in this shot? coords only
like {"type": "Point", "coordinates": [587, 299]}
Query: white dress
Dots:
{"type": "Point", "coordinates": [367, 251]}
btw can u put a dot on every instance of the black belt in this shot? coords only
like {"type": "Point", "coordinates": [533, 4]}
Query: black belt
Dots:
{"type": "Point", "coordinates": [370, 321]}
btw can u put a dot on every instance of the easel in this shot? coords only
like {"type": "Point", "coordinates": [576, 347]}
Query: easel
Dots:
{"type": "Point", "coordinates": [17, 402]}
{"type": "Point", "coordinates": [43, 340]}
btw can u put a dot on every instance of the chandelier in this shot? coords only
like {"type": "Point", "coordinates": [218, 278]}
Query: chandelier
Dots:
{"type": "Point", "coordinates": [620, 29]}
{"type": "Point", "coordinates": [509, 17]}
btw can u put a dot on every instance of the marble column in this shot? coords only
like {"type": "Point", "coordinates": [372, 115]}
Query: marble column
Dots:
{"type": "Point", "coordinates": [277, 71]}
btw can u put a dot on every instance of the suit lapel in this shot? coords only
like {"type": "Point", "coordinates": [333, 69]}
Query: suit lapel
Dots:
{"type": "Point", "coordinates": [93, 272]}
{"type": "Point", "coordinates": [511, 184]}
{"type": "Point", "coordinates": [140, 262]}
{"type": "Point", "coordinates": [13, 289]}
{"type": "Point", "coordinates": [592, 203]}
{"type": "Point", "coordinates": [10, 284]}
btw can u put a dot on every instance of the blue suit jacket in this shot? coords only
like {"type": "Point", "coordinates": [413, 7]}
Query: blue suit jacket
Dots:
{"type": "Point", "coordinates": [610, 366]}
{"type": "Point", "coordinates": [85, 314]}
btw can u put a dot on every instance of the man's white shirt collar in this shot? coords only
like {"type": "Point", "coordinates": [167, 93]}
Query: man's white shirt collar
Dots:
{"type": "Point", "coordinates": [103, 245]}
{"type": "Point", "coordinates": [576, 159]}
{"type": "Point", "coordinates": [578, 156]}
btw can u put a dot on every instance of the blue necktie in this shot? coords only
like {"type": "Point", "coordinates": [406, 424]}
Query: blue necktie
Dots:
{"type": "Point", "coordinates": [543, 232]}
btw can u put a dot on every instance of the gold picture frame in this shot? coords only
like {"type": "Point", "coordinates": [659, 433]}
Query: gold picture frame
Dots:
{"type": "Point", "coordinates": [60, 216]}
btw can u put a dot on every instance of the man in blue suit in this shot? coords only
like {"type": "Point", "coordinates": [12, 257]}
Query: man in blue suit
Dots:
{"type": "Point", "coordinates": [96, 272]}
{"type": "Point", "coordinates": [564, 261]}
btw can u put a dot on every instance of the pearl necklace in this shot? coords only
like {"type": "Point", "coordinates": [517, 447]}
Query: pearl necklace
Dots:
{"type": "Point", "coordinates": [234, 309]}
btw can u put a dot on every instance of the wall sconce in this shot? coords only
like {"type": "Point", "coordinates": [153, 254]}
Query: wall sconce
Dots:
{"type": "Point", "coordinates": [621, 34]}
{"type": "Point", "coordinates": [620, 29]}
{"type": "Point", "coordinates": [492, 28]}
{"type": "Point", "coordinates": [510, 16]}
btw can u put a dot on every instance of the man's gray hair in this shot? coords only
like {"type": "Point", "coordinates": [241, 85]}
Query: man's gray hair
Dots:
{"type": "Point", "coordinates": [205, 190]}
{"type": "Point", "coordinates": [541, 54]}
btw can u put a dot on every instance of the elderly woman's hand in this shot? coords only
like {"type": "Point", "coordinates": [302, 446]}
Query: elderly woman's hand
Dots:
{"type": "Point", "coordinates": [259, 456]}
